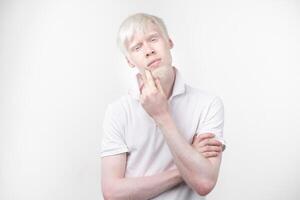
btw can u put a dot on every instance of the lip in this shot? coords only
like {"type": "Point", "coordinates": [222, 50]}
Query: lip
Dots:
{"type": "Point", "coordinates": [154, 62]}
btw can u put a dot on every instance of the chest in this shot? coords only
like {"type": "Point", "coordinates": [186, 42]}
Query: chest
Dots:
{"type": "Point", "coordinates": [142, 132]}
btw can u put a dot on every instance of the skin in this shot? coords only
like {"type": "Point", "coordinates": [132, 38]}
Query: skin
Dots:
{"type": "Point", "coordinates": [200, 168]}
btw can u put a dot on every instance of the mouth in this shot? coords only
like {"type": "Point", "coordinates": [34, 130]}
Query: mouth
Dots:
{"type": "Point", "coordinates": [154, 63]}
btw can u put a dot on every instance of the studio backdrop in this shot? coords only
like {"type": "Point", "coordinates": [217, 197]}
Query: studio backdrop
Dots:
{"type": "Point", "coordinates": [60, 67]}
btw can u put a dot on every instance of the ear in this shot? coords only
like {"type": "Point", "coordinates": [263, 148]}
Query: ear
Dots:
{"type": "Point", "coordinates": [171, 44]}
{"type": "Point", "coordinates": [129, 62]}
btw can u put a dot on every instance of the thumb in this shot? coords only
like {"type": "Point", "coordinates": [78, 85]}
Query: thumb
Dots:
{"type": "Point", "coordinates": [196, 138]}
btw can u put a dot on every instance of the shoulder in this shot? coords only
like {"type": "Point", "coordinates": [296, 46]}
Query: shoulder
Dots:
{"type": "Point", "coordinates": [122, 105]}
{"type": "Point", "coordinates": [118, 104]}
{"type": "Point", "coordinates": [203, 97]}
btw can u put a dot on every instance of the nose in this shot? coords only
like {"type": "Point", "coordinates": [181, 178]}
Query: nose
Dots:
{"type": "Point", "coordinates": [149, 53]}
{"type": "Point", "coordinates": [149, 50]}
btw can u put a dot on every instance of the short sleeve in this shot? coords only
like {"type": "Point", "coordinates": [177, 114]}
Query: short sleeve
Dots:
{"type": "Point", "coordinates": [213, 120]}
{"type": "Point", "coordinates": [113, 141]}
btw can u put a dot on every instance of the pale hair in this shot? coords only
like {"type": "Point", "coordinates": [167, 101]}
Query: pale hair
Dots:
{"type": "Point", "coordinates": [138, 23]}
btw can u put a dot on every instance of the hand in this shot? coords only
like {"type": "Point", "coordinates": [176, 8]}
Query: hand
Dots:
{"type": "Point", "coordinates": [207, 145]}
{"type": "Point", "coordinates": [152, 98]}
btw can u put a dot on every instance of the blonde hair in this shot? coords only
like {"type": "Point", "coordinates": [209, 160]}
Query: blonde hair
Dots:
{"type": "Point", "coordinates": [138, 23]}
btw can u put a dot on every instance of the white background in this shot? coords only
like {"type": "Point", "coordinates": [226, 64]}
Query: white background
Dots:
{"type": "Point", "coordinates": [60, 67]}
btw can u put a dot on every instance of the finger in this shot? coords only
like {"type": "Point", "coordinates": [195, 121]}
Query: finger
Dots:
{"type": "Point", "coordinates": [146, 85]}
{"type": "Point", "coordinates": [199, 137]}
{"type": "Point", "coordinates": [140, 81]}
{"type": "Point", "coordinates": [210, 149]}
{"type": "Point", "coordinates": [210, 142]}
{"type": "Point", "coordinates": [205, 136]}
{"type": "Point", "coordinates": [149, 78]}
{"type": "Point", "coordinates": [144, 78]}
{"type": "Point", "coordinates": [196, 139]}
{"type": "Point", "coordinates": [210, 154]}
{"type": "Point", "coordinates": [158, 85]}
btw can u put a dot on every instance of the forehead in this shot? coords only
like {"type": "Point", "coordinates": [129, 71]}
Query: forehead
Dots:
{"type": "Point", "coordinates": [143, 32]}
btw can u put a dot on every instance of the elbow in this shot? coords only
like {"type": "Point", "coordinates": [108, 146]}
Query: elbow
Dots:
{"type": "Point", "coordinates": [108, 193]}
{"type": "Point", "coordinates": [203, 188]}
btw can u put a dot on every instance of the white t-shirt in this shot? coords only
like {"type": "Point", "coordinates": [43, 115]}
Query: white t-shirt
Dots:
{"type": "Point", "coordinates": [128, 128]}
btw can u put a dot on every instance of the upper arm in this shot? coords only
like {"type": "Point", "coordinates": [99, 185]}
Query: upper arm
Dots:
{"type": "Point", "coordinates": [112, 168]}
{"type": "Point", "coordinates": [212, 120]}
{"type": "Point", "coordinates": [214, 160]}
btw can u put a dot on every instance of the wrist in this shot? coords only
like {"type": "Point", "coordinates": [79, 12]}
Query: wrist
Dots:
{"type": "Point", "coordinates": [163, 119]}
{"type": "Point", "coordinates": [176, 175]}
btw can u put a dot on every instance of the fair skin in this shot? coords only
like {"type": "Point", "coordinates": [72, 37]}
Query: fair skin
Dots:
{"type": "Point", "coordinates": [150, 53]}
{"type": "Point", "coordinates": [116, 186]}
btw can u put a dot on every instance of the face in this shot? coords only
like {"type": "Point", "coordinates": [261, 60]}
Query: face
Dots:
{"type": "Point", "coordinates": [150, 51]}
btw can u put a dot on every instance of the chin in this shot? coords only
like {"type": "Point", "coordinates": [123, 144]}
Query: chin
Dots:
{"type": "Point", "coordinates": [162, 72]}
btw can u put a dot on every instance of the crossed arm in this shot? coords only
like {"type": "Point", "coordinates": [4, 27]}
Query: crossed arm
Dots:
{"type": "Point", "coordinates": [116, 186]}
{"type": "Point", "coordinates": [199, 172]}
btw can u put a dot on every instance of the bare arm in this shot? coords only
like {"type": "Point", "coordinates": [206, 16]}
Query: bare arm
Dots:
{"type": "Point", "coordinates": [199, 172]}
{"type": "Point", "coordinates": [116, 186]}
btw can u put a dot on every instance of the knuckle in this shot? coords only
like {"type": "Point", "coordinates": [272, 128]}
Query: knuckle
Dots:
{"type": "Point", "coordinates": [200, 135]}
{"type": "Point", "coordinates": [218, 143]}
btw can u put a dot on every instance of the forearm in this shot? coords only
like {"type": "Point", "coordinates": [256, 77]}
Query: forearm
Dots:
{"type": "Point", "coordinates": [135, 188]}
{"type": "Point", "coordinates": [193, 166]}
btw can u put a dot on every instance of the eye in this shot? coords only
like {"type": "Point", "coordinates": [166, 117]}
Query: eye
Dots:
{"type": "Point", "coordinates": [153, 39]}
{"type": "Point", "coordinates": [137, 48]}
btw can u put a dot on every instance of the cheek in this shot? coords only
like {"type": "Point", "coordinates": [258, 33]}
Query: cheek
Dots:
{"type": "Point", "coordinates": [168, 57]}
{"type": "Point", "coordinates": [137, 60]}
{"type": "Point", "coordinates": [140, 65]}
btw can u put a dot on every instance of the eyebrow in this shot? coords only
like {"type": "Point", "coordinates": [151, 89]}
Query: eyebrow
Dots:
{"type": "Point", "coordinates": [131, 47]}
{"type": "Point", "coordinates": [154, 34]}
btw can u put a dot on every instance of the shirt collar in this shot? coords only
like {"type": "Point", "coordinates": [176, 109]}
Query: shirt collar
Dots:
{"type": "Point", "coordinates": [178, 88]}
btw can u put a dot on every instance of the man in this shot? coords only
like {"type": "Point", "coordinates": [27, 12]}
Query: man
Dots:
{"type": "Point", "coordinates": [164, 139]}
